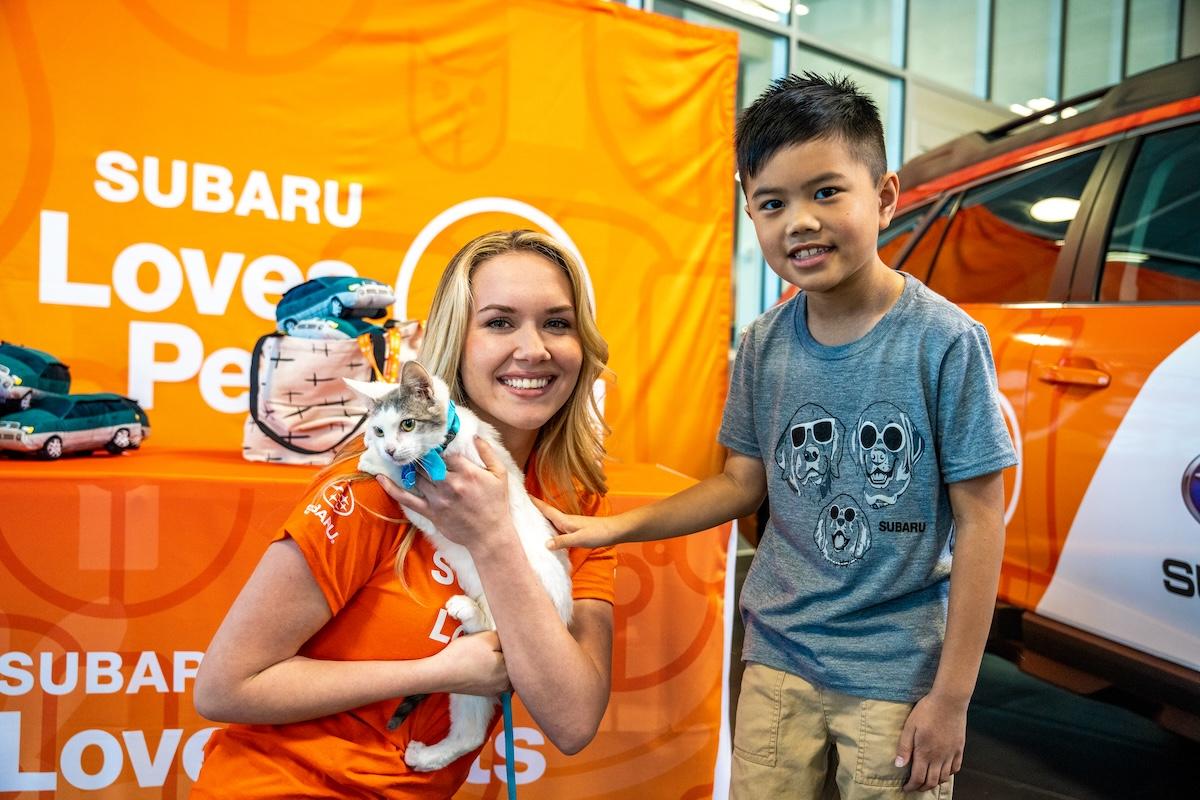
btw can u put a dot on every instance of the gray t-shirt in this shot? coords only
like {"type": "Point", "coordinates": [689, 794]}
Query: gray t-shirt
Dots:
{"type": "Point", "coordinates": [850, 583]}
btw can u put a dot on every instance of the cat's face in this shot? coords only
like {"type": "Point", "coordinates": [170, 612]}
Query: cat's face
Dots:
{"type": "Point", "coordinates": [406, 420]}
{"type": "Point", "coordinates": [523, 354]}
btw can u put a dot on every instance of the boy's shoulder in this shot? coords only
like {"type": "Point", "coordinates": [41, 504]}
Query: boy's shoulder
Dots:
{"type": "Point", "coordinates": [776, 318]}
{"type": "Point", "coordinates": [933, 314]}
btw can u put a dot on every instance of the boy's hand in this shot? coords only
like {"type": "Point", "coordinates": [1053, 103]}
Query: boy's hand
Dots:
{"type": "Point", "coordinates": [933, 739]}
{"type": "Point", "coordinates": [578, 531]}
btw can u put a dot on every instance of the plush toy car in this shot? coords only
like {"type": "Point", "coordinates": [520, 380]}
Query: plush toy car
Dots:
{"type": "Point", "coordinates": [335, 297]}
{"type": "Point", "coordinates": [331, 328]}
{"type": "Point", "coordinates": [76, 423]}
{"type": "Point", "coordinates": [27, 374]}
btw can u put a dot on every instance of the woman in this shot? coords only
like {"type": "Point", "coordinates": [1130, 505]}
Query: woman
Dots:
{"type": "Point", "coordinates": [343, 615]}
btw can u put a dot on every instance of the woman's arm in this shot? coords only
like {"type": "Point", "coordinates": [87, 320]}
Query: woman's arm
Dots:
{"type": "Point", "coordinates": [561, 674]}
{"type": "Point", "coordinates": [252, 674]}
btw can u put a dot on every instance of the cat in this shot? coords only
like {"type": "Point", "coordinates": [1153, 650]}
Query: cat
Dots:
{"type": "Point", "coordinates": [410, 426]}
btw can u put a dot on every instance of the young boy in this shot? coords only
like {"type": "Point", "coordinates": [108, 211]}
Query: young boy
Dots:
{"type": "Point", "coordinates": [866, 409]}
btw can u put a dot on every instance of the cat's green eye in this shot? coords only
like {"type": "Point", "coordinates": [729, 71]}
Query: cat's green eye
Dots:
{"type": "Point", "coordinates": [378, 431]}
{"type": "Point", "coordinates": [407, 424]}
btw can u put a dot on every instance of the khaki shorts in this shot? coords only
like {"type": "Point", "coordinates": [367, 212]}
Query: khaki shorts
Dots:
{"type": "Point", "coordinates": [794, 740]}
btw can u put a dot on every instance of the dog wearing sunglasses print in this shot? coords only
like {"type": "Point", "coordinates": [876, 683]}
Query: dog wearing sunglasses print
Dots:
{"type": "Point", "coordinates": [886, 447]}
{"type": "Point", "coordinates": [809, 452]}
{"type": "Point", "coordinates": [843, 532]}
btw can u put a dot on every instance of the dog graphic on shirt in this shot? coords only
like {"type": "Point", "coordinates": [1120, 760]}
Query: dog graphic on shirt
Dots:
{"type": "Point", "coordinates": [843, 532]}
{"type": "Point", "coordinates": [810, 450]}
{"type": "Point", "coordinates": [886, 447]}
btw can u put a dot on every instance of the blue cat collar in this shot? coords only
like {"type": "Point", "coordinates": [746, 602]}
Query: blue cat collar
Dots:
{"type": "Point", "coordinates": [452, 428]}
{"type": "Point", "coordinates": [432, 463]}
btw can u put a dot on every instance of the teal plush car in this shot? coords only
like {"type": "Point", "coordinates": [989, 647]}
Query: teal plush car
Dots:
{"type": "Point", "coordinates": [331, 328]}
{"type": "Point", "coordinates": [76, 423]}
{"type": "Point", "coordinates": [342, 297]}
{"type": "Point", "coordinates": [27, 375]}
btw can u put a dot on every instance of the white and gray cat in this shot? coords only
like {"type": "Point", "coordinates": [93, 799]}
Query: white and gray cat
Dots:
{"type": "Point", "coordinates": [409, 427]}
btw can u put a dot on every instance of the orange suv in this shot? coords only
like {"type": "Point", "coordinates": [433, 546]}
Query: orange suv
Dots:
{"type": "Point", "coordinates": [1077, 243]}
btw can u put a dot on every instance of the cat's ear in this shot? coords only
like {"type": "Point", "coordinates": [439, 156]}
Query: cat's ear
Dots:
{"type": "Point", "coordinates": [415, 378]}
{"type": "Point", "coordinates": [372, 391]}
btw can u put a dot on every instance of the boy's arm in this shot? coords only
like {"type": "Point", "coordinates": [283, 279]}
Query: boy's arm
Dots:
{"type": "Point", "coordinates": [935, 731]}
{"type": "Point", "coordinates": [734, 492]}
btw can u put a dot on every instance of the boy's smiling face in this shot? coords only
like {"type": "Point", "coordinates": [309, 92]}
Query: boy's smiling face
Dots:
{"type": "Point", "coordinates": [818, 213]}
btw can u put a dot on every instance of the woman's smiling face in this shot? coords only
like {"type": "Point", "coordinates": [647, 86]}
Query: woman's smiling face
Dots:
{"type": "Point", "coordinates": [522, 354]}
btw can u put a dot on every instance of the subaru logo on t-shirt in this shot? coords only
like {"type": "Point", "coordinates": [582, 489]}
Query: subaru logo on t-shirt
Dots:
{"type": "Point", "coordinates": [1191, 488]}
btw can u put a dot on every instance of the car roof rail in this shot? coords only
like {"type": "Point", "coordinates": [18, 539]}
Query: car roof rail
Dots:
{"type": "Point", "coordinates": [1002, 130]}
{"type": "Point", "coordinates": [1177, 80]}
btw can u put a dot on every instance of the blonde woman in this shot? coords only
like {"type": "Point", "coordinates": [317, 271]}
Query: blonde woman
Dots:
{"type": "Point", "coordinates": [329, 633]}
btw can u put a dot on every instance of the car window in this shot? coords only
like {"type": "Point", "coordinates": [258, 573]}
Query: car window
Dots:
{"type": "Point", "coordinates": [85, 409]}
{"type": "Point", "coordinates": [1154, 248]}
{"type": "Point", "coordinates": [1004, 238]}
{"type": "Point", "coordinates": [893, 238]}
{"type": "Point", "coordinates": [920, 257]}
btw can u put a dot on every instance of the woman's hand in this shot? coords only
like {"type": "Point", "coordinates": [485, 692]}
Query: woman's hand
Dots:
{"type": "Point", "coordinates": [469, 507]}
{"type": "Point", "coordinates": [474, 664]}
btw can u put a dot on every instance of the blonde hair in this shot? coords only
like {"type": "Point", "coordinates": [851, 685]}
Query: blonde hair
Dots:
{"type": "Point", "coordinates": [570, 445]}
{"type": "Point", "coordinates": [570, 448]}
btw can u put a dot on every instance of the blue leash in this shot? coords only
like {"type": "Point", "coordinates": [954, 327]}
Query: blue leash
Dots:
{"type": "Point", "coordinates": [510, 770]}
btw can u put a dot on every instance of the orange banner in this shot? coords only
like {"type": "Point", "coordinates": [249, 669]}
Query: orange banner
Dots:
{"type": "Point", "coordinates": [171, 168]}
{"type": "Point", "coordinates": [116, 575]}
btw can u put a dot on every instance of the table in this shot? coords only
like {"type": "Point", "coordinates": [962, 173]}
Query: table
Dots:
{"type": "Point", "coordinates": [116, 570]}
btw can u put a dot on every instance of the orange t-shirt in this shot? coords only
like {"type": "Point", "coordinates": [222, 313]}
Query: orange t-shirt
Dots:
{"type": "Point", "coordinates": [352, 553]}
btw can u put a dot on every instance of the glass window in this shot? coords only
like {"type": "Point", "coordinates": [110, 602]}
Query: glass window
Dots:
{"type": "Point", "coordinates": [1003, 241]}
{"type": "Point", "coordinates": [948, 42]}
{"type": "Point", "coordinates": [893, 238]}
{"type": "Point", "coordinates": [1154, 250]}
{"type": "Point", "coordinates": [936, 117]}
{"type": "Point", "coordinates": [887, 92]}
{"type": "Point", "coordinates": [920, 258]}
{"type": "Point", "coordinates": [871, 27]}
{"type": "Point", "coordinates": [761, 59]}
{"type": "Point", "coordinates": [1026, 41]}
{"type": "Point", "coordinates": [1189, 34]}
{"type": "Point", "coordinates": [1153, 34]}
{"type": "Point", "coordinates": [1093, 47]}
{"type": "Point", "coordinates": [767, 10]}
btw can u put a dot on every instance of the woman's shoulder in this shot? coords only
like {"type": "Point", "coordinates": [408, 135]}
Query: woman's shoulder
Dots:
{"type": "Point", "coordinates": [348, 491]}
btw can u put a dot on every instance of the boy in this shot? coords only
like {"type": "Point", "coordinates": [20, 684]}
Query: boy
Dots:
{"type": "Point", "coordinates": [866, 410]}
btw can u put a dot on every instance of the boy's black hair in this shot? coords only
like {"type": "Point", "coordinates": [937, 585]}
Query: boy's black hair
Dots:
{"type": "Point", "coordinates": [804, 108]}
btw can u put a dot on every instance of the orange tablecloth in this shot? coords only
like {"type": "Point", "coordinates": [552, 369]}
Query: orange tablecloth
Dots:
{"type": "Point", "coordinates": [116, 571]}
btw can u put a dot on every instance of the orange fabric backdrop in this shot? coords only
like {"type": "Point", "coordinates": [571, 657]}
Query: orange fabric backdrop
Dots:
{"type": "Point", "coordinates": [609, 126]}
{"type": "Point", "coordinates": [616, 124]}
{"type": "Point", "coordinates": [116, 573]}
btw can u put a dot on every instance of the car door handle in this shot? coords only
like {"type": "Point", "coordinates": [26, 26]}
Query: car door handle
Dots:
{"type": "Point", "coordinates": [1074, 376]}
